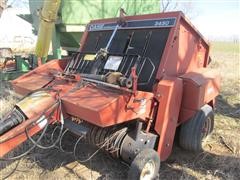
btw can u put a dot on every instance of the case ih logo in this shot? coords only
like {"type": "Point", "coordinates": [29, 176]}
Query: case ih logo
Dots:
{"type": "Point", "coordinates": [153, 23]}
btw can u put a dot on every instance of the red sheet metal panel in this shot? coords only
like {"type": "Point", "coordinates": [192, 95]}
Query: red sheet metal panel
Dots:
{"type": "Point", "coordinates": [203, 86]}
{"type": "Point", "coordinates": [199, 88]}
{"type": "Point", "coordinates": [169, 95]}
{"type": "Point", "coordinates": [38, 77]}
{"type": "Point", "coordinates": [12, 143]}
{"type": "Point", "coordinates": [32, 83]}
{"type": "Point", "coordinates": [106, 108]}
{"type": "Point", "coordinates": [186, 50]}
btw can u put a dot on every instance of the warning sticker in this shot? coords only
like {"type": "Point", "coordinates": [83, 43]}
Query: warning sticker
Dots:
{"type": "Point", "coordinates": [113, 62]}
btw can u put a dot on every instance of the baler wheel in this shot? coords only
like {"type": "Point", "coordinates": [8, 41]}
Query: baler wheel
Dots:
{"type": "Point", "coordinates": [145, 166]}
{"type": "Point", "coordinates": [194, 132]}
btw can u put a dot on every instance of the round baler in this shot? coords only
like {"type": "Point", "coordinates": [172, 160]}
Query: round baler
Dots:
{"type": "Point", "coordinates": [134, 81]}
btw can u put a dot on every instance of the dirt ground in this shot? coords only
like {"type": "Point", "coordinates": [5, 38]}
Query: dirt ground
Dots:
{"type": "Point", "coordinates": [220, 160]}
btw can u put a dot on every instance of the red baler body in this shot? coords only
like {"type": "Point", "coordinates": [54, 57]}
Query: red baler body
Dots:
{"type": "Point", "coordinates": [182, 85]}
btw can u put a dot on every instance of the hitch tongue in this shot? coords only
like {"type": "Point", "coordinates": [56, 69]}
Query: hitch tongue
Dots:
{"type": "Point", "coordinates": [29, 107]}
{"type": "Point", "coordinates": [29, 116]}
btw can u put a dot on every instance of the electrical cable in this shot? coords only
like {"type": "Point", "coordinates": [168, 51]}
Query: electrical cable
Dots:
{"type": "Point", "coordinates": [46, 147]}
{"type": "Point", "coordinates": [20, 133]}
{"type": "Point", "coordinates": [60, 143]}
{"type": "Point", "coordinates": [52, 134]}
{"type": "Point", "coordinates": [12, 171]}
{"type": "Point", "coordinates": [58, 138]}
{"type": "Point", "coordinates": [35, 143]}
{"type": "Point", "coordinates": [93, 154]}
{"type": "Point", "coordinates": [29, 150]}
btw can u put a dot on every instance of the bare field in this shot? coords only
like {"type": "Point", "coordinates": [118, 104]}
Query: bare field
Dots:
{"type": "Point", "coordinates": [220, 160]}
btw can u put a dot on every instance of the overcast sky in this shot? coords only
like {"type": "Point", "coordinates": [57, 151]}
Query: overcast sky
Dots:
{"type": "Point", "coordinates": [215, 19]}
{"type": "Point", "coordinates": [218, 18]}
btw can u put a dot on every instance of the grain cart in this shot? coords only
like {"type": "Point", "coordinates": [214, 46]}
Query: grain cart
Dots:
{"type": "Point", "coordinates": [135, 80]}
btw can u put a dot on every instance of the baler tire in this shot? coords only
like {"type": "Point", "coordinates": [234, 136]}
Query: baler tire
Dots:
{"type": "Point", "coordinates": [143, 158]}
{"type": "Point", "coordinates": [194, 131]}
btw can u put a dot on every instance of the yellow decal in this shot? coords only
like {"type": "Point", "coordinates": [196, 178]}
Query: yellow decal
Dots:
{"type": "Point", "coordinates": [89, 57]}
{"type": "Point", "coordinates": [33, 100]}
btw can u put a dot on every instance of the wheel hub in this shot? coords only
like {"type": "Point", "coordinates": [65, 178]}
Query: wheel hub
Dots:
{"type": "Point", "coordinates": [206, 128]}
{"type": "Point", "coordinates": [148, 171]}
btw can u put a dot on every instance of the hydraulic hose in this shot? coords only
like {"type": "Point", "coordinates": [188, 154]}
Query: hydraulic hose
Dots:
{"type": "Point", "coordinates": [58, 138]}
{"type": "Point", "coordinates": [36, 143]}
{"type": "Point", "coordinates": [11, 120]}
{"type": "Point", "coordinates": [9, 123]}
{"type": "Point", "coordinates": [29, 150]}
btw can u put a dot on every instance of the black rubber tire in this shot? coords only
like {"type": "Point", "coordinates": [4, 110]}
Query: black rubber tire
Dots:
{"type": "Point", "coordinates": [140, 161]}
{"type": "Point", "coordinates": [191, 133]}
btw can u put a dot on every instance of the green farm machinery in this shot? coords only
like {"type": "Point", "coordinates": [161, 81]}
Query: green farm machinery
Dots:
{"type": "Point", "coordinates": [60, 24]}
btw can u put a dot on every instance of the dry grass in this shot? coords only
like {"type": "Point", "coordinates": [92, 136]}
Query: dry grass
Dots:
{"type": "Point", "coordinates": [8, 98]}
{"type": "Point", "coordinates": [220, 160]}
